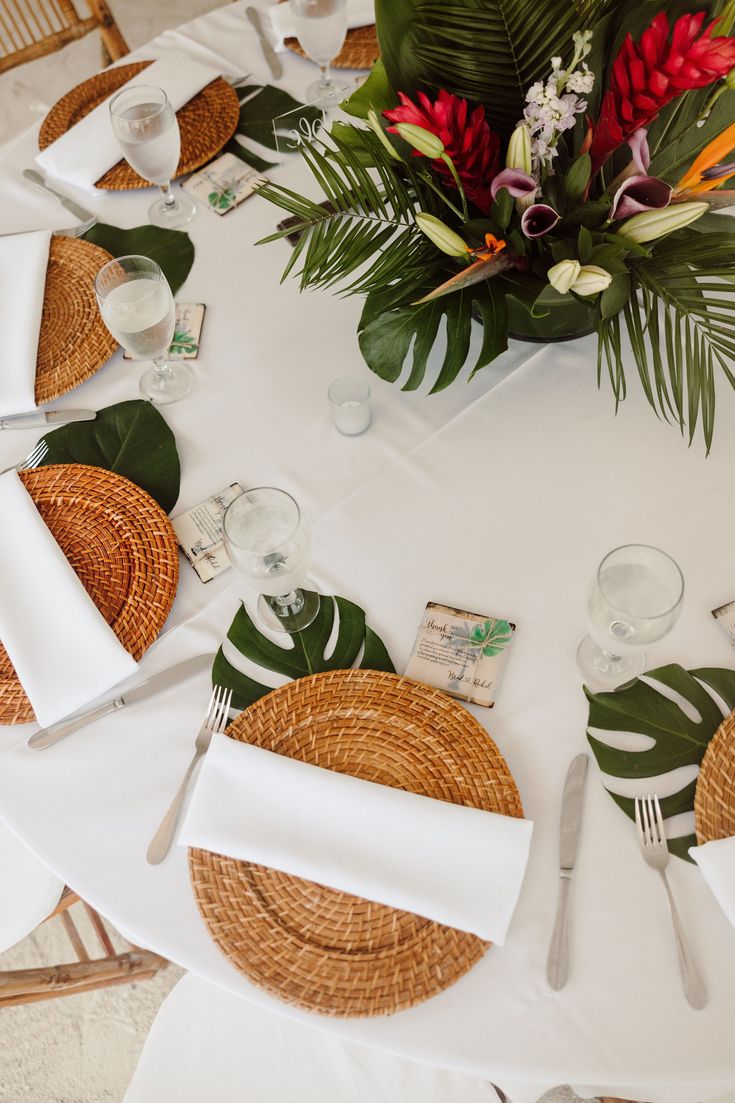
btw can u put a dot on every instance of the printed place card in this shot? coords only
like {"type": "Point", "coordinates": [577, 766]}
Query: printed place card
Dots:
{"type": "Point", "coordinates": [464, 654]}
{"type": "Point", "coordinates": [199, 532]}
{"type": "Point", "coordinates": [725, 617]}
{"type": "Point", "coordinates": [224, 183]}
{"type": "Point", "coordinates": [187, 333]}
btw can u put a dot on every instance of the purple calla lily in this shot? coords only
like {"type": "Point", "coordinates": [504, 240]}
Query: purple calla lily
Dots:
{"type": "Point", "coordinates": [640, 193]}
{"type": "Point", "coordinates": [638, 143]}
{"type": "Point", "coordinates": [538, 220]}
{"type": "Point", "coordinates": [516, 182]}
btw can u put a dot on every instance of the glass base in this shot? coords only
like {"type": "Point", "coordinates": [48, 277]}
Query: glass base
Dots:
{"type": "Point", "coordinates": [602, 671]}
{"type": "Point", "coordinates": [169, 386]}
{"type": "Point", "coordinates": [171, 216]}
{"type": "Point", "coordinates": [326, 95]}
{"type": "Point", "coordinates": [297, 616]}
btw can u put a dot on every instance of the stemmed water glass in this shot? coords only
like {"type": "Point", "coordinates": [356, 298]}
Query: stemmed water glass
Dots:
{"type": "Point", "coordinates": [321, 26]}
{"type": "Point", "coordinates": [147, 131]}
{"type": "Point", "coordinates": [268, 541]}
{"type": "Point", "coordinates": [634, 599]}
{"type": "Point", "coordinates": [138, 308]}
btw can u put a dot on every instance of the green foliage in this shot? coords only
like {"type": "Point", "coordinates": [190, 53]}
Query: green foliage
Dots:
{"type": "Point", "coordinates": [172, 250]}
{"type": "Point", "coordinates": [307, 653]}
{"type": "Point", "coordinates": [678, 740]}
{"type": "Point", "coordinates": [130, 438]}
{"type": "Point", "coordinates": [488, 51]}
{"type": "Point", "coordinates": [375, 92]}
{"type": "Point", "coordinates": [260, 106]}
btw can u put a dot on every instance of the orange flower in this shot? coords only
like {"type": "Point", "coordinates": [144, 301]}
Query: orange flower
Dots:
{"type": "Point", "coordinates": [491, 249]}
{"type": "Point", "coordinates": [697, 177]}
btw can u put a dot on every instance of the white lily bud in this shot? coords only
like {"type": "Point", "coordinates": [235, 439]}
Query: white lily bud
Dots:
{"type": "Point", "coordinates": [562, 275]}
{"type": "Point", "coordinates": [519, 150]}
{"type": "Point", "coordinates": [374, 124]}
{"type": "Point", "coordinates": [422, 140]}
{"type": "Point", "coordinates": [441, 235]}
{"type": "Point", "coordinates": [591, 280]}
{"type": "Point", "coordinates": [649, 225]}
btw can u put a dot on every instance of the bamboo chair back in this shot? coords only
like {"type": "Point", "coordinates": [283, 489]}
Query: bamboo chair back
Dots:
{"type": "Point", "coordinates": [32, 28]}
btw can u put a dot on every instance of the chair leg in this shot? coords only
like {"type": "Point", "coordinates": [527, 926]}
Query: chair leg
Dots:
{"type": "Point", "coordinates": [31, 985]}
{"type": "Point", "coordinates": [112, 40]}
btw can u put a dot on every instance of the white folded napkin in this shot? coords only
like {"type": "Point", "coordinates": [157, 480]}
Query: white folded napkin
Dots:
{"type": "Point", "coordinates": [89, 148]}
{"type": "Point", "coordinates": [360, 13]}
{"type": "Point", "coordinates": [459, 866]}
{"type": "Point", "coordinates": [61, 647]}
{"type": "Point", "coordinates": [717, 863]}
{"type": "Point", "coordinates": [23, 263]}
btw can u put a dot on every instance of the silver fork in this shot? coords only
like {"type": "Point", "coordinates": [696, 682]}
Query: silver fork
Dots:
{"type": "Point", "coordinates": [215, 721]}
{"type": "Point", "coordinates": [650, 824]}
{"type": "Point", "coordinates": [32, 459]}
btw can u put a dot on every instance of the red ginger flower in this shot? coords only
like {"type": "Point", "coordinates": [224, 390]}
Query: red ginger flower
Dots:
{"type": "Point", "coordinates": [470, 143]}
{"type": "Point", "coordinates": [648, 75]}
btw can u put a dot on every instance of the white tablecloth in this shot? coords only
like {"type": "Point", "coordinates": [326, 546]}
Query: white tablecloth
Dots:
{"type": "Point", "coordinates": [501, 501]}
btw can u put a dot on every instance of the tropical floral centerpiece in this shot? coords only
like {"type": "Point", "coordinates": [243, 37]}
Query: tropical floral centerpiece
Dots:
{"type": "Point", "coordinates": [548, 168]}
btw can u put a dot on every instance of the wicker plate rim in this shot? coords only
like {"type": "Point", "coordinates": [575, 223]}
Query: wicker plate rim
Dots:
{"type": "Point", "coordinates": [714, 795]}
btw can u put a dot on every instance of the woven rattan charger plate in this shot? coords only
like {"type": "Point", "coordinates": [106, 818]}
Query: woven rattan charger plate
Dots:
{"type": "Point", "coordinates": [714, 800]}
{"type": "Point", "coordinates": [206, 122]}
{"type": "Point", "coordinates": [122, 546]}
{"type": "Point", "coordinates": [73, 341]}
{"type": "Point", "coordinates": [359, 51]}
{"type": "Point", "coordinates": [325, 950]}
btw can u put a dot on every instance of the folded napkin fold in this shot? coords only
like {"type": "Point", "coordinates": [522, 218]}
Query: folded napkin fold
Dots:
{"type": "Point", "coordinates": [63, 651]}
{"type": "Point", "coordinates": [459, 866]}
{"type": "Point", "coordinates": [23, 263]}
{"type": "Point", "coordinates": [360, 13]}
{"type": "Point", "coordinates": [717, 863]}
{"type": "Point", "coordinates": [85, 152]}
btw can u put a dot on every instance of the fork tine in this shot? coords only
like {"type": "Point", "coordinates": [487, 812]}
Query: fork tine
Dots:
{"type": "Point", "coordinates": [210, 706]}
{"type": "Point", "coordinates": [34, 457]}
{"type": "Point", "coordinates": [646, 822]}
{"type": "Point", "coordinates": [638, 821]}
{"type": "Point", "coordinates": [226, 710]}
{"type": "Point", "coordinates": [659, 819]}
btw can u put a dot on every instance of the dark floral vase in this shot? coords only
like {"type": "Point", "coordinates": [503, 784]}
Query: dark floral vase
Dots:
{"type": "Point", "coordinates": [557, 317]}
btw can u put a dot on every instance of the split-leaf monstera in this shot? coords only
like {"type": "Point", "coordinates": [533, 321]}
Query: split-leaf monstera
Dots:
{"type": "Point", "coordinates": [307, 653]}
{"type": "Point", "coordinates": [678, 739]}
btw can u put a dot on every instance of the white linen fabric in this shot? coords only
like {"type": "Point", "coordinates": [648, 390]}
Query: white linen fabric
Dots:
{"type": "Point", "coordinates": [716, 860]}
{"type": "Point", "coordinates": [360, 13]}
{"type": "Point", "coordinates": [456, 865]}
{"type": "Point", "coordinates": [23, 264]}
{"type": "Point", "coordinates": [86, 152]}
{"type": "Point", "coordinates": [63, 651]}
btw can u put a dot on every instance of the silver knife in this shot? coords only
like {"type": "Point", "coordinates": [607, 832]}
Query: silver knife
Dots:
{"type": "Point", "coordinates": [171, 677]}
{"type": "Point", "coordinates": [45, 417]}
{"type": "Point", "coordinates": [270, 55]}
{"type": "Point", "coordinates": [76, 208]}
{"type": "Point", "coordinates": [557, 968]}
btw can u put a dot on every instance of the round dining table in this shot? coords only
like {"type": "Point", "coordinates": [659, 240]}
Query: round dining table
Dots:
{"type": "Point", "coordinates": [500, 495]}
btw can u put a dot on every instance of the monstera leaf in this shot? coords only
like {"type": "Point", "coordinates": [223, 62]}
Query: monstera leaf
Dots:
{"type": "Point", "coordinates": [488, 51]}
{"type": "Point", "coordinates": [172, 250]}
{"type": "Point", "coordinates": [130, 438]}
{"type": "Point", "coordinates": [494, 635]}
{"type": "Point", "coordinates": [678, 739]}
{"type": "Point", "coordinates": [307, 653]}
{"type": "Point", "coordinates": [262, 105]}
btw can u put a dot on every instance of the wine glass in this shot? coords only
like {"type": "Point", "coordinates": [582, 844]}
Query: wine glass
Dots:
{"type": "Point", "coordinates": [138, 308]}
{"type": "Point", "coordinates": [147, 131]}
{"type": "Point", "coordinates": [635, 599]}
{"type": "Point", "coordinates": [267, 540]}
{"type": "Point", "coordinates": [321, 26]}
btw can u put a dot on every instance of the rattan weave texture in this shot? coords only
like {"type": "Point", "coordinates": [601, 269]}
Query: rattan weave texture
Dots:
{"type": "Point", "coordinates": [73, 342]}
{"type": "Point", "coordinates": [714, 801]}
{"type": "Point", "coordinates": [206, 122]}
{"type": "Point", "coordinates": [324, 950]}
{"type": "Point", "coordinates": [359, 51]}
{"type": "Point", "coordinates": [120, 543]}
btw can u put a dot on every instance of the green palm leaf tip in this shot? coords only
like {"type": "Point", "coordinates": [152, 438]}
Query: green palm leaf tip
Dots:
{"type": "Point", "coordinates": [487, 51]}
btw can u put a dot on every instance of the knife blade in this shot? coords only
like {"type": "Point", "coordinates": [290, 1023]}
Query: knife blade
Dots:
{"type": "Point", "coordinates": [35, 418]}
{"type": "Point", "coordinates": [557, 968]}
{"type": "Point", "coordinates": [76, 209]}
{"type": "Point", "coordinates": [270, 55]}
{"type": "Point", "coordinates": [46, 737]}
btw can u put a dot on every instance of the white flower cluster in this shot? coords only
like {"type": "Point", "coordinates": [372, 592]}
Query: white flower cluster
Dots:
{"type": "Point", "coordinates": [553, 106]}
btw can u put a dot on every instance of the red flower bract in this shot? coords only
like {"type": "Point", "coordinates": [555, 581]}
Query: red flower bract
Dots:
{"type": "Point", "coordinates": [468, 140]}
{"type": "Point", "coordinates": [649, 74]}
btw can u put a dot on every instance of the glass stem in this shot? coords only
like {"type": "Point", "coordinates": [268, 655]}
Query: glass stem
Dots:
{"type": "Point", "coordinates": [161, 368]}
{"type": "Point", "coordinates": [169, 199]}
{"type": "Point", "coordinates": [326, 81]}
{"type": "Point", "coordinates": [610, 657]}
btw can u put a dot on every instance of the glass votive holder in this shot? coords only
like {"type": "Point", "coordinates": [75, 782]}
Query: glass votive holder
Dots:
{"type": "Point", "coordinates": [351, 409]}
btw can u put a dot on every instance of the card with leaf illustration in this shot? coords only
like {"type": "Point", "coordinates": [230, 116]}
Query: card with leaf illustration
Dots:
{"type": "Point", "coordinates": [224, 184]}
{"type": "Point", "coordinates": [463, 654]}
{"type": "Point", "coordinates": [187, 333]}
